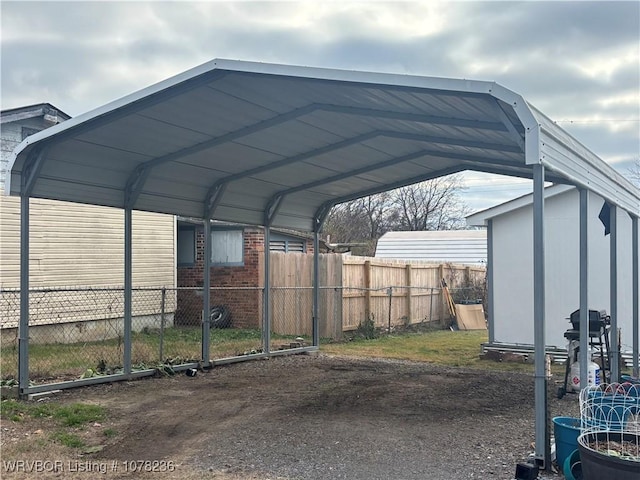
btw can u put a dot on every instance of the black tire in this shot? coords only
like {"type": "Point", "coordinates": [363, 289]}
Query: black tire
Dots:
{"type": "Point", "coordinates": [220, 317]}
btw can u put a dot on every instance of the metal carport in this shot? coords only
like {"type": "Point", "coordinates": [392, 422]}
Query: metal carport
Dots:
{"type": "Point", "coordinates": [278, 146]}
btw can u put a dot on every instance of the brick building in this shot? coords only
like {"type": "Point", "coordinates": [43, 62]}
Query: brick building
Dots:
{"type": "Point", "coordinates": [237, 269]}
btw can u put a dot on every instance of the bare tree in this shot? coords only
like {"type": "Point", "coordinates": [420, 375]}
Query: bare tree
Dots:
{"type": "Point", "coordinates": [346, 223]}
{"type": "Point", "coordinates": [430, 205]}
{"type": "Point", "coordinates": [360, 221]}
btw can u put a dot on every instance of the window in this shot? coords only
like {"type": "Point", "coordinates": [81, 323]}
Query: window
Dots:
{"type": "Point", "coordinates": [186, 245]}
{"type": "Point", "coordinates": [227, 247]}
{"type": "Point", "coordinates": [283, 243]}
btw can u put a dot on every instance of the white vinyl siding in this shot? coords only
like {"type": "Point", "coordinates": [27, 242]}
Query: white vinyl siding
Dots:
{"type": "Point", "coordinates": [227, 247]}
{"type": "Point", "coordinates": [467, 247]}
{"type": "Point", "coordinates": [513, 274]}
{"type": "Point", "coordinates": [77, 245]}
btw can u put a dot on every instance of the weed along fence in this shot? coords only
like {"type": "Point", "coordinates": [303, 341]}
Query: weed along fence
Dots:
{"type": "Point", "coordinates": [78, 336]}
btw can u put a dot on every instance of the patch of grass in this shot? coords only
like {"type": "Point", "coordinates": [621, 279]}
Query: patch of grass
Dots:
{"type": "Point", "coordinates": [441, 347]}
{"type": "Point", "coordinates": [183, 344]}
{"type": "Point", "coordinates": [66, 415]}
{"type": "Point", "coordinates": [67, 439]}
{"type": "Point", "coordinates": [109, 432]}
{"type": "Point", "coordinates": [79, 414]}
{"type": "Point", "coordinates": [12, 410]}
{"type": "Point", "coordinates": [105, 356]}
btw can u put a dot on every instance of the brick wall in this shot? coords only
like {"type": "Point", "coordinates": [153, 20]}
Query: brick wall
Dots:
{"type": "Point", "coordinates": [244, 303]}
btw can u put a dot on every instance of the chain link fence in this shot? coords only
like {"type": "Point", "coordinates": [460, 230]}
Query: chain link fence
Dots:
{"type": "Point", "coordinates": [80, 333]}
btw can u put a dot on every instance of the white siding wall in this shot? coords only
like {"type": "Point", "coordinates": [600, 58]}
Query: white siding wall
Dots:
{"type": "Point", "coordinates": [467, 247]}
{"type": "Point", "coordinates": [75, 245]}
{"type": "Point", "coordinates": [513, 274]}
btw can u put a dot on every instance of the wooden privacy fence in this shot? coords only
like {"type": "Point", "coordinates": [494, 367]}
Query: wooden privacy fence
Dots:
{"type": "Point", "coordinates": [354, 289]}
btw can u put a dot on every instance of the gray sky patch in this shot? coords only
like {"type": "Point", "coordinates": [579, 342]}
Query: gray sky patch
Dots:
{"type": "Point", "coordinates": [576, 61]}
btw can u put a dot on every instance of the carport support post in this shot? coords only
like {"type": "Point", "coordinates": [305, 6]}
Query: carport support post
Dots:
{"type": "Point", "coordinates": [316, 287]}
{"type": "Point", "coordinates": [490, 295]}
{"type": "Point", "coordinates": [23, 328]}
{"type": "Point", "coordinates": [634, 294]}
{"type": "Point", "coordinates": [613, 292]}
{"type": "Point", "coordinates": [128, 284]}
{"type": "Point", "coordinates": [543, 447]}
{"type": "Point", "coordinates": [206, 295]}
{"type": "Point", "coordinates": [266, 297]}
{"type": "Point", "coordinates": [584, 291]}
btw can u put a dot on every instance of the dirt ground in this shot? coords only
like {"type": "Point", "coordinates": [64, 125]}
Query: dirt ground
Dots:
{"type": "Point", "coordinates": [302, 417]}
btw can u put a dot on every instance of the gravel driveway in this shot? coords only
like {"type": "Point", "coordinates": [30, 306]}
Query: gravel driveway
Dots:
{"type": "Point", "coordinates": [320, 417]}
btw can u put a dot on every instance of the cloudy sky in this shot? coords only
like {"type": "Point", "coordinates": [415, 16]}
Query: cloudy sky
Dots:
{"type": "Point", "coordinates": [578, 62]}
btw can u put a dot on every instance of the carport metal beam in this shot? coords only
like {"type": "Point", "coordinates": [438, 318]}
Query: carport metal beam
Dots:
{"type": "Point", "coordinates": [498, 169]}
{"type": "Point", "coordinates": [413, 117]}
{"type": "Point", "coordinates": [266, 296]}
{"type": "Point", "coordinates": [216, 191]}
{"type": "Point", "coordinates": [206, 295]}
{"type": "Point", "coordinates": [584, 290]}
{"type": "Point", "coordinates": [352, 173]}
{"type": "Point", "coordinates": [613, 291]}
{"type": "Point", "coordinates": [490, 288]}
{"type": "Point", "coordinates": [635, 303]}
{"type": "Point", "coordinates": [33, 166]}
{"type": "Point", "coordinates": [23, 327]}
{"type": "Point", "coordinates": [507, 123]}
{"type": "Point", "coordinates": [128, 287]}
{"type": "Point", "coordinates": [542, 440]}
{"type": "Point", "coordinates": [315, 327]}
{"type": "Point", "coordinates": [139, 177]}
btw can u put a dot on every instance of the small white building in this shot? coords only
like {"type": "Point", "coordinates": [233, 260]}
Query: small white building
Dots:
{"type": "Point", "coordinates": [510, 266]}
{"type": "Point", "coordinates": [466, 247]}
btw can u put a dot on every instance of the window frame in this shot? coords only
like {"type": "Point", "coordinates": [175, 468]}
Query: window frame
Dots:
{"type": "Point", "coordinates": [242, 238]}
{"type": "Point", "coordinates": [194, 229]}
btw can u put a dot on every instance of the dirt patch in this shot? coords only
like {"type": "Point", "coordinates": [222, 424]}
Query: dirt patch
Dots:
{"type": "Point", "coordinates": [309, 417]}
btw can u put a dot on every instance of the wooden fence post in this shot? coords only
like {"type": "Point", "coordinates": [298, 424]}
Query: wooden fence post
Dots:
{"type": "Point", "coordinates": [367, 292]}
{"type": "Point", "coordinates": [442, 299]}
{"type": "Point", "coordinates": [409, 294]}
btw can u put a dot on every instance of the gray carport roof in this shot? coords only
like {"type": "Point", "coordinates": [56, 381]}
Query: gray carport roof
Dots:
{"type": "Point", "coordinates": [272, 144]}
